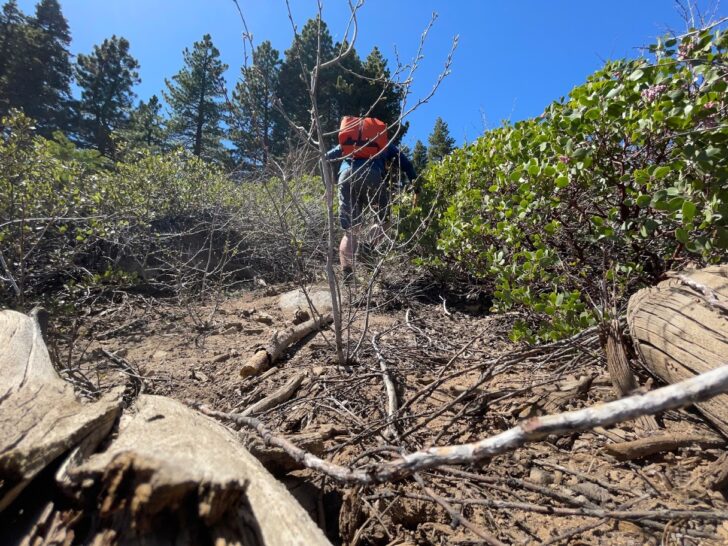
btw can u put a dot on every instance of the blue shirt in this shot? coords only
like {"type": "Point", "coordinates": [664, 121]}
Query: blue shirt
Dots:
{"type": "Point", "coordinates": [377, 162]}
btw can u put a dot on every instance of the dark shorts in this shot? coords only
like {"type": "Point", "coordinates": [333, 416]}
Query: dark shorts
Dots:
{"type": "Point", "coordinates": [361, 192]}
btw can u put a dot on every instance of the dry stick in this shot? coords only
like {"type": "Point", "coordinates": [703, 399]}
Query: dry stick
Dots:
{"type": "Point", "coordinates": [389, 386]}
{"type": "Point", "coordinates": [587, 477]}
{"type": "Point", "coordinates": [456, 517]}
{"type": "Point", "coordinates": [644, 447]}
{"type": "Point", "coordinates": [279, 343]}
{"type": "Point", "coordinates": [696, 389]}
{"type": "Point", "coordinates": [283, 394]}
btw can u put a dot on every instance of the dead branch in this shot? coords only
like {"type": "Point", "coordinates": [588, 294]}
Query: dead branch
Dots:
{"type": "Point", "coordinates": [280, 342]}
{"type": "Point", "coordinates": [696, 389]}
{"type": "Point", "coordinates": [644, 447]}
{"type": "Point", "coordinates": [277, 397]}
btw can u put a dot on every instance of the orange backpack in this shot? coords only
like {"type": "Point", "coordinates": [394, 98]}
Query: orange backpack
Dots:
{"type": "Point", "coordinates": [362, 138]}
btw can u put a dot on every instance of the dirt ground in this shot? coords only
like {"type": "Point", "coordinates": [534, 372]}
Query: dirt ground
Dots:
{"type": "Point", "coordinates": [458, 379]}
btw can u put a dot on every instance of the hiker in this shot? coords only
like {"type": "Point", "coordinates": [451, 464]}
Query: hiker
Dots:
{"type": "Point", "coordinates": [364, 151]}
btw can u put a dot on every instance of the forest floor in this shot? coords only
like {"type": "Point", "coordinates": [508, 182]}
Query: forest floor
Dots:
{"type": "Point", "coordinates": [458, 378]}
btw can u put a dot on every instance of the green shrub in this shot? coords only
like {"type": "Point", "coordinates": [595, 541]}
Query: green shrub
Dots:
{"type": "Point", "coordinates": [605, 191]}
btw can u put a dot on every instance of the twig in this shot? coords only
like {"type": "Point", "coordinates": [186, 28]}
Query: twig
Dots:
{"type": "Point", "coordinates": [696, 389]}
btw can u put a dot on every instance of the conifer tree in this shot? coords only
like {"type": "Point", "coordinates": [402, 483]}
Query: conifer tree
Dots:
{"type": "Point", "coordinates": [12, 43]}
{"type": "Point", "coordinates": [440, 142]}
{"type": "Point", "coordinates": [300, 59]}
{"type": "Point", "coordinates": [254, 118]}
{"type": "Point", "coordinates": [35, 67]}
{"type": "Point", "coordinates": [48, 97]}
{"type": "Point", "coordinates": [381, 94]}
{"type": "Point", "coordinates": [195, 95]}
{"type": "Point", "coordinates": [106, 78]}
{"type": "Point", "coordinates": [419, 157]}
{"type": "Point", "coordinates": [146, 125]}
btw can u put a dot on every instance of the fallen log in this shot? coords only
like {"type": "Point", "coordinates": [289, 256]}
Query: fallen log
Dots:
{"type": "Point", "coordinates": [40, 417]}
{"type": "Point", "coordinates": [680, 329]}
{"type": "Point", "coordinates": [172, 472]}
{"type": "Point", "coordinates": [279, 344]}
{"type": "Point", "coordinates": [168, 476]}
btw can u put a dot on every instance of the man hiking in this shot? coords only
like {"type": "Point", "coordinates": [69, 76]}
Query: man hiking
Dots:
{"type": "Point", "coordinates": [364, 152]}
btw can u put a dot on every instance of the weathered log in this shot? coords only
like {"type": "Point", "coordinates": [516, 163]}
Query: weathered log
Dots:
{"type": "Point", "coordinates": [279, 344]}
{"type": "Point", "coordinates": [173, 476]}
{"type": "Point", "coordinates": [620, 373]}
{"type": "Point", "coordinates": [40, 417]}
{"type": "Point", "coordinates": [680, 329]}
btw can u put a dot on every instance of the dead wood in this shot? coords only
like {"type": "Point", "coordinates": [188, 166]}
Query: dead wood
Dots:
{"type": "Point", "coordinates": [277, 397]}
{"type": "Point", "coordinates": [620, 373]}
{"type": "Point", "coordinates": [40, 417]}
{"type": "Point", "coordinates": [644, 447]}
{"type": "Point", "coordinates": [276, 460]}
{"type": "Point", "coordinates": [173, 476]}
{"type": "Point", "coordinates": [695, 389]}
{"type": "Point", "coordinates": [279, 344]}
{"type": "Point", "coordinates": [679, 332]}
{"type": "Point", "coordinates": [718, 476]}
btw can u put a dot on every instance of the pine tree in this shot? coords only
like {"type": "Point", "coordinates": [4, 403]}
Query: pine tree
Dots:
{"type": "Point", "coordinates": [440, 142]}
{"type": "Point", "coordinates": [254, 119]}
{"type": "Point", "coordinates": [106, 78]}
{"type": "Point", "coordinates": [48, 96]}
{"type": "Point", "coordinates": [13, 42]}
{"type": "Point", "coordinates": [195, 96]}
{"type": "Point", "coordinates": [382, 97]}
{"type": "Point", "coordinates": [419, 157]}
{"type": "Point", "coordinates": [146, 125]}
{"type": "Point", "coordinates": [295, 77]}
{"type": "Point", "coordinates": [35, 67]}
{"type": "Point", "coordinates": [349, 85]}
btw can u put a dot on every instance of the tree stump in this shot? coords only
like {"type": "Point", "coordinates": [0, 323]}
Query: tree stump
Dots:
{"type": "Point", "coordinates": [680, 329]}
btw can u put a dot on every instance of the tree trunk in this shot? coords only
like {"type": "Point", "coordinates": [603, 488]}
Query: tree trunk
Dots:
{"type": "Point", "coordinates": [680, 329]}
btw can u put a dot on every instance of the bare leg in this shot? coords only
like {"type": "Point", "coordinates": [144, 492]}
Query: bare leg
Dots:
{"type": "Point", "coordinates": [347, 249]}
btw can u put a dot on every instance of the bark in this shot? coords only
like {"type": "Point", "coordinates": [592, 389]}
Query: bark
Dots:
{"type": "Point", "coordinates": [40, 417]}
{"type": "Point", "coordinates": [168, 475]}
{"type": "Point", "coordinates": [620, 373]}
{"type": "Point", "coordinates": [173, 473]}
{"type": "Point", "coordinates": [680, 329]}
{"type": "Point", "coordinates": [279, 344]}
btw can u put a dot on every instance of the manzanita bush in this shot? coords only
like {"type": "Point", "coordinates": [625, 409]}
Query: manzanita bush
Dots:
{"type": "Point", "coordinates": [567, 214]}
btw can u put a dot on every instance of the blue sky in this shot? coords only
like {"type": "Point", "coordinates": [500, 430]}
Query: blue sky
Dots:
{"type": "Point", "coordinates": [514, 56]}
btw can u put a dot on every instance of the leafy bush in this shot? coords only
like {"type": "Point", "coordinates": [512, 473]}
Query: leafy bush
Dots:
{"type": "Point", "coordinates": [605, 191]}
{"type": "Point", "coordinates": [72, 222]}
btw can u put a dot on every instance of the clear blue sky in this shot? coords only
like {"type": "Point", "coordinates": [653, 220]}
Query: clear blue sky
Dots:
{"type": "Point", "coordinates": [514, 57]}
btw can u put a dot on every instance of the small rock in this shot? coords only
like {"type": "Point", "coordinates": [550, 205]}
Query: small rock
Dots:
{"type": "Point", "coordinates": [220, 358]}
{"type": "Point", "coordinates": [199, 376]}
{"type": "Point", "coordinates": [540, 476]}
{"type": "Point", "coordinates": [159, 355]}
{"type": "Point", "coordinates": [263, 318]}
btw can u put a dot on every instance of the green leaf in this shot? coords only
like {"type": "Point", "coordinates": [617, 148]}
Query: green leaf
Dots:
{"type": "Point", "coordinates": [562, 181]}
{"type": "Point", "coordinates": [593, 114]}
{"type": "Point", "coordinates": [688, 211]}
{"type": "Point", "coordinates": [644, 201]}
{"type": "Point", "coordinates": [636, 75]}
{"type": "Point", "coordinates": [661, 172]}
{"type": "Point", "coordinates": [681, 235]}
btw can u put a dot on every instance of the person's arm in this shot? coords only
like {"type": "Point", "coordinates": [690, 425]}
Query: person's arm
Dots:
{"type": "Point", "coordinates": [406, 166]}
{"type": "Point", "coordinates": [334, 153]}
